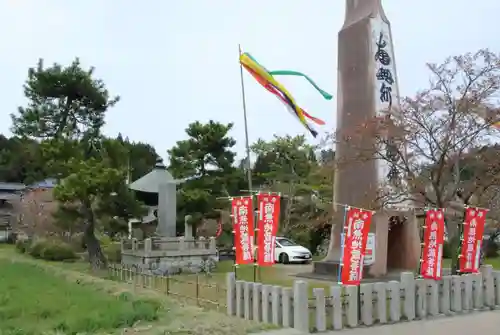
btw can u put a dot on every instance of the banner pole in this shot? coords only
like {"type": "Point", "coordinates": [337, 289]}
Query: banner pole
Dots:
{"type": "Point", "coordinates": [342, 244]}
{"type": "Point", "coordinates": [235, 265]}
{"type": "Point", "coordinates": [249, 165]}
{"type": "Point", "coordinates": [255, 232]}
{"type": "Point", "coordinates": [422, 247]}
{"type": "Point", "coordinates": [458, 251]}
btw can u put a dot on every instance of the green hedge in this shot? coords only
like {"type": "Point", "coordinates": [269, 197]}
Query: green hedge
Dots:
{"type": "Point", "coordinates": [47, 249]}
{"type": "Point", "coordinates": [22, 245]}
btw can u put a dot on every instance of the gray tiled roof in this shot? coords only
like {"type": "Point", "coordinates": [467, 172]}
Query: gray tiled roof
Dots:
{"type": "Point", "coordinates": [149, 183]}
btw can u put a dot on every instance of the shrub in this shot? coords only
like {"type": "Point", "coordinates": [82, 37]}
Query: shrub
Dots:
{"type": "Point", "coordinates": [22, 245]}
{"type": "Point", "coordinates": [35, 248]}
{"type": "Point", "coordinates": [490, 248]}
{"type": "Point", "coordinates": [12, 238]}
{"type": "Point", "coordinates": [113, 252]}
{"type": "Point", "coordinates": [58, 252]}
{"type": "Point", "coordinates": [105, 240]}
{"type": "Point", "coordinates": [52, 250]}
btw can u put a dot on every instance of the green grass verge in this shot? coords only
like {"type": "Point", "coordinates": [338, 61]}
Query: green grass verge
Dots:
{"type": "Point", "coordinates": [42, 297]}
{"type": "Point", "coordinates": [33, 301]}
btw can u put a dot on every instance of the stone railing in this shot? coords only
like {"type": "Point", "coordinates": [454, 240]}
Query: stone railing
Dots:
{"type": "Point", "coordinates": [153, 246]}
{"type": "Point", "coordinates": [370, 303]}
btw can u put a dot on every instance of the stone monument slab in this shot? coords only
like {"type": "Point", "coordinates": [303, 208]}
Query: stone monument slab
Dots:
{"type": "Point", "coordinates": [368, 89]}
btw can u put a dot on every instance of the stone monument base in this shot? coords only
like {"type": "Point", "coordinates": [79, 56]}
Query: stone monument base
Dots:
{"type": "Point", "coordinates": [328, 271]}
{"type": "Point", "coordinates": [331, 268]}
{"type": "Point", "coordinates": [170, 255]}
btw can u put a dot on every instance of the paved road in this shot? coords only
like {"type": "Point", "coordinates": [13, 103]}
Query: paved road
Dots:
{"type": "Point", "coordinates": [476, 323]}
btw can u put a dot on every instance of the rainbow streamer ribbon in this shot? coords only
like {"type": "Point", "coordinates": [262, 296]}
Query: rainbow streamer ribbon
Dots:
{"type": "Point", "coordinates": [267, 80]}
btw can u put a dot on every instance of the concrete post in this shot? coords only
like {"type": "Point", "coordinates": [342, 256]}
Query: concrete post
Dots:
{"type": "Point", "coordinates": [231, 293]}
{"type": "Point", "coordinates": [352, 305]}
{"type": "Point", "coordinates": [496, 279]}
{"type": "Point", "coordinates": [366, 291]}
{"type": "Point", "coordinates": [212, 244]}
{"type": "Point", "coordinates": [276, 305]}
{"type": "Point", "coordinates": [477, 291]}
{"type": "Point", "coordinates": [200, 244]}
{"type": "Point", "coordinates": [433, 297]}
{"type": "Point", "coordinates": [337, 311]}
{"type": "Point", "coordinates": [148, 246]}
{"type": "Point", "coordinates": [456, 293]}
{"type": "Point", "coordinates": [381, 290]}
{"type": "Point", "coordinates": [247, 300]}
{"type": "Point", "coordinates": [239, 298]}
{"type": "Point", "coordinates": [320, 311]}
{"type": "Point", "coordinates": [467, 296]}
{"type": "Point", "coordinates": [182, 243]}
{"type": "Point", "coordinates": [286, 303]}
{"type": "Point", "coordinates": [395, 302]}
{"type": "Point", "coordinates": [188, 228]}
{"type": "Point", "coordinates": [408, 286]}
{"type": "Point", "coordinates": [300, 306]}
{"type": "Point", "coordinates": [489, 285]}
{"type": "Point", "coordinates": [444, 297]}
{"type": "Point", "coordinates": [257, 303]}
{"type": "Point", "coordinates": [421, 298]}
{"type": "Point", "coordinates": [266, 303]}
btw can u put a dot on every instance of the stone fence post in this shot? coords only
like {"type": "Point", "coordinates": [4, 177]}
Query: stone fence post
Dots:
{"type": "Point", "coordinates": [212, 245]}
{"type": "Point", "coordinates": [231, 293]}
{"type": "Point", "coordinates": [182, 243]}
{"type": "Point", "coordinates": [148, 246]}
{"type": "Point", "coordinates": [200, 244]}
{"type": "Point", "coordinates": [300, 306]}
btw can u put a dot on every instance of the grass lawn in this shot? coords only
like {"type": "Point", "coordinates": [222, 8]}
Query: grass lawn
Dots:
{"type": "Point", "coordinates": [33, 301]}
{"type": "Point", "coordinates": [38, 297]}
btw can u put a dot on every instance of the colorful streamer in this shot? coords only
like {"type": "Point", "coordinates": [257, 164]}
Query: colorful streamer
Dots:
{"type": "Point", "coordinates": [267, 80]}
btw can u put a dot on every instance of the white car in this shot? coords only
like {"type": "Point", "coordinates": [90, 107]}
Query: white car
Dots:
{"type": "Point", "coordinates": [288, 251]}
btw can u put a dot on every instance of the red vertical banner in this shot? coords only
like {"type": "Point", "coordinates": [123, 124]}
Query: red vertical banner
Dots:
{"type": "Point", "coordinates": [356, 236]}
{"type": "Point", "coordinates": [472, 239]}
{"type": "Point", "coordinates": [432, 254]}
{"type": "Point", "coordinates": [267, 224]}
{"type": "Point", "coordinates": [242, 210]}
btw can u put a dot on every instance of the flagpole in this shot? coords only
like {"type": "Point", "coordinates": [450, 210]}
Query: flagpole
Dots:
{"type": "Point", "coordinates": [247, 142]}
{"type": "Point", "coordinates": [249, 165]}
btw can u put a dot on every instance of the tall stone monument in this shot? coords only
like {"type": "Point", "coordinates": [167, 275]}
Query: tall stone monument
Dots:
{"type": "Point", "coordinates": [368, 89]}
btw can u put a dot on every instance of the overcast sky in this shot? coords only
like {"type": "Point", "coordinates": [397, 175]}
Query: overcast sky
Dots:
{"type": "Point", "coordinates": [175, 62]}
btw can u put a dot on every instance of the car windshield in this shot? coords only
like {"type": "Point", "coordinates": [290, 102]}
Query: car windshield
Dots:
{"type": "Point", "coordinates": [286, 242]}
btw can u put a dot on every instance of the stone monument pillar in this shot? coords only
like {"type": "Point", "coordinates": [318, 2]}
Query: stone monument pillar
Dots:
{"type": "Point", "coordinates": [367, 88]}
{"type": "Point", "coordinates": [160, 182]}
{"type": "Point", "coordinates": [167, 209]}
